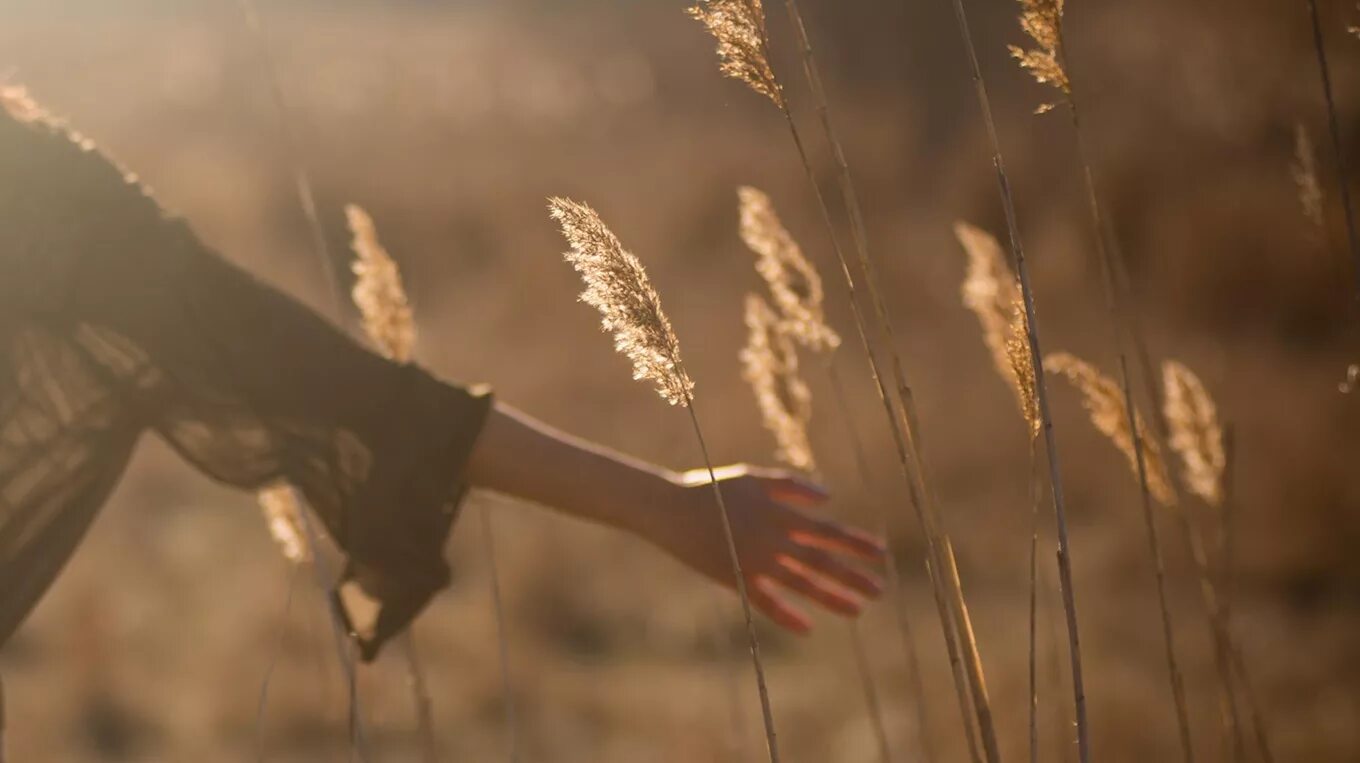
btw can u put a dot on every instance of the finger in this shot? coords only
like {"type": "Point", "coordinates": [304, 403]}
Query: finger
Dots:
{"type": "Point", "coordinates": [763, 596]}
{"type": "Point", "coordinates": [833, 536]}
{"type": "Point", "coordinates": [796, 491]}
{"type": "Point", "coordinates": [798, 578]}
{"type": "Point", "coordinates": [827, 564]}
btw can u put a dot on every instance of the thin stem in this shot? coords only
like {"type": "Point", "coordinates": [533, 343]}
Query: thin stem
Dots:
{"type": "Point", "coordinates": [1225, 562]}
{"type": "Point", "coordinates": [766, 711]}
{"type": "Point", "coordinates": [2, 721]}
{"type": "Point", "coordinates": [894, 578]}
{"type": "Point", "coordinates": [268, 671]}
{"type": "Point", "coordinates": [1041, 386]}
{"type": "Point", "coordinates": [1334, 127]}
{"type": "Point", "coordinates": [1034, 496]}
{"type": "Point", "coordinates": [502, 638]}
{"type": "Point", "coordinates": [420, 694]}
{"type": "Point", "coordinates": [938, 540]}
{"type": "Point", "coordinates": [899, 439]}
{"type": "Point", "coordinates": [871, 700]}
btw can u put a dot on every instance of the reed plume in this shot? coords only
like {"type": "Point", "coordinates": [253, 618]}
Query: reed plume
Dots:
{"type": "Point", "coordinates": [743, 53]}
{"type": "Point", "coordinates": [1042, 21]}
{"type": "Point", "coordinates": [378, 292]}
{"type": "Point", "coordinates": [283, 513]}
{"type": "Point", "coordinates": [1195, 433]}
{"type": "Point", "coordinates": [630, 309]}
{"type": "Point", "coordinates": [992, 292]}
{"type": "Point", "coordinates": [769, 363]}
{"type": "Point", "coordinates": [1304, 172]}
{"type": "Point", "coordinates": [1104, 401]}
{"type": "Point", "coordinates": [794, 283]}
{"type": "Point", "coordinates": [617, 286]}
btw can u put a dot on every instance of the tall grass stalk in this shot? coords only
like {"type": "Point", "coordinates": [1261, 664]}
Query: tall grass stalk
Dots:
{"type": "Point", "coordinates": [938, 541]}
{"type": "Point", "coordinates": [894, 581]}
{"type": "Point", "coordinates": [268, 671]}
{"type": "Point", "coordinates": [502, 638]}
{"type": "Point", "coordinates": [1338, 151]}
{"type": "Point", "coordinates": [1041, 387]}
{"type": "Point", "coordinates": [743, 49]}
{"type": "Point", "coordinates": [321, 248]}
{"type": "Point", "coordinates": [617, 286]}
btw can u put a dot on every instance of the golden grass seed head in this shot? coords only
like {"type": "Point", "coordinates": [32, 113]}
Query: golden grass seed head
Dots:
{"type": "Point", "coordinates": [1196, 434]}
{"type": "Point", "coordinates": [794, 283]}
{"type": "Point", "coordinates": [1104, 402]}
{"type": "Point", "coordinates": [769, 363]}
{"type": "Point", "coordinates": [283, 513]}
{"type": "Point", "coordinates": [378, 292]}
{"type": "Point", "coordinates": [630, 309]}
{"type": "Point", "coordinates": [992, 293]}
{"type": "Point", "coordinates": [1042, 21]}
{"type": "Point", "coordinates": [739, 28]}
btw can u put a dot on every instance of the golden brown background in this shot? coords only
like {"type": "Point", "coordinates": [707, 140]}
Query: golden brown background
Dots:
{"type": "Point", "coordinates": [453, 121]}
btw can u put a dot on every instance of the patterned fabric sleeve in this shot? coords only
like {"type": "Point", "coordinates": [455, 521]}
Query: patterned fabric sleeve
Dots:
{"type": "Point", "coordinates": [116, 320]}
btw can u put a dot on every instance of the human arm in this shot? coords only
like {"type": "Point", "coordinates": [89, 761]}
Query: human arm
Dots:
{"type": "Point", "coordinates": [782, 544]}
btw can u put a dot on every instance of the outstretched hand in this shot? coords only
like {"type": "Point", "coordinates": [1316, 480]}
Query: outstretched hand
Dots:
{"type": "Point", "coordinates": [783, 546]}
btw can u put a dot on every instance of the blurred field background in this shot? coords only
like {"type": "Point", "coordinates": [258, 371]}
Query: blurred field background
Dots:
{"type": "Point", "coordinates": [451, 122]}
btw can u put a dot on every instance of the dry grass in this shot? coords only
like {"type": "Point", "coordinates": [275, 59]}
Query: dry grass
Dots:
{"type": "Point", "coordinates": [611, 673]}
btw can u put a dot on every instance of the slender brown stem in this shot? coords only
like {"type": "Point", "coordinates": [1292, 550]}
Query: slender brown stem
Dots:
{"type": "Point", "coordinates": [2, 721]}
{"type": "Point", "coordinates": [1338, 152]}
{"type": "Point", "coordinates": [938, 540]}
{"type": "Point", "coordinates": [503, 647]}
{"type": "Point", "coordinates": [894, 578]}
{"type": "Point", "coordinates": [1034, 497]}
{"type": "Point", "coordinates": [871, 700]}
{"type": "Point", "coordinates": [1041, 386]}
{"type": "Point", "coordinates": [420, 694]}
{"type": "Point", "coordinates": [766, 711]}
{"type": "Point", "coordinates": [268, 671]}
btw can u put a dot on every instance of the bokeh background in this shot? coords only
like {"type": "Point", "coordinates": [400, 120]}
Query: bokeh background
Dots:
{"type": "Point", "coordinates": [453, 121]}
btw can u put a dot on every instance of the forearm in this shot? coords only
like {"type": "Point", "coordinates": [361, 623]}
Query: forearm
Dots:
{"type": "Point", "coordinates": [528, 459]}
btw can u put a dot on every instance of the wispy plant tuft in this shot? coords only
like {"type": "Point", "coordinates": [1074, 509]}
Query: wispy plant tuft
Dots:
{"type": "Point", "coordinates": [630, 308]}
{"type": "Point", "coordinates": [769, 363]}
{"type": "Point", "coordinates": [1042, 21]}
{"type": "Point", "coordinates": [1195, 433]}
{"type": "Point", "coordinates": [1304, 171]}
{"type": "Point", "coordinates": [992, 292]}
{"type": "Point", "coordinates": [793, 281]}
{"type": "Point", "coordinates": [378, 291]}
{"type": "Point", "coordinates": [743, 54]}
{"type": "Point", "coordinates": [1104, 401]}
{"type": "Point", "coordinates": [283, 514]}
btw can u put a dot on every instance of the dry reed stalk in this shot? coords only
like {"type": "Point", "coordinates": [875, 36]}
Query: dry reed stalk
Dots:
{"type": "Point", "coordinates": [794, 283]}
{"type": "Point", "coordinates": [894, 578]}
{"type": "Point", "coordinates": [769, 364]}
{"type": "Point", "coordinates": [321, 249]}
{"type": "Point", "coordinates": [1048, 9]}
{"type": "Point", "coordinates": [630, 309]}
{"type": "Point", "coordinates": [1042, 21]}
{"type": "Point", "coordinates": [938, 536]}
{"type": "Point", "coordinates": [1112, 413]}
{"type": "Point", "coordinates": [2, 721]}
{"type": "Point", "coordinates": [751, 40]}
{"type": "Point", "coordinates": [1338, 153]}
{"type": "Point", "coordinates": [388, 322]}
{"type": "Point", "coordinates": [1195, 432]}
{"type": "Point", "coordinates": [1304, 172]}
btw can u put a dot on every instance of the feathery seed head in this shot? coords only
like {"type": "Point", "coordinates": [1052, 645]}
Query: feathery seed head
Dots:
{"type": "Point", "coordinates": [378, 291]}
{"type": "Point", "coordinates": [630, 308]}
{"type": "Point", "coordinates": [283, 513]}
{"type": "Point", "coordinates": [739, 28]}
{"type": "Point", "coordinates": [1042, 21]}
{"type": "Point", "coordinates": [769, 364]}
{"type": "Point", "coordinates": [1304, 171]}
{"type": "Point", "coordinates": [1104, 402]}
{"type": "Point", "coordinates": [993, 294]}
{"type": "Point", "coordinates": [793, 281]}
{"type": "Point", "coordinates": [1195, 432]}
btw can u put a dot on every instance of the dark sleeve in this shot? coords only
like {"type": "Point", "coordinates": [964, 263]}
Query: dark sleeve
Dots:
{"type": "Point", "coordinates": [148, 329]}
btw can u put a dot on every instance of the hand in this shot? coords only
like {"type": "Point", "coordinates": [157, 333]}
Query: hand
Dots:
{"type": "Point", "coordinates": [782, 545]}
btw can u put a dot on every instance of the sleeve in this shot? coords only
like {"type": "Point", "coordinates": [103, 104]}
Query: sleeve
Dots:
{"type": "Point", "coordinates": [159, 333]}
